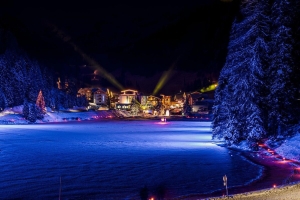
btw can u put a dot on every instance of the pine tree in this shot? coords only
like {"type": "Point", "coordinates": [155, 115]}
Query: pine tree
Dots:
{"type": "Point", "coordinates": [296, 50]}
{"type": "Point", "coordinates": [238, 113]}
{"type": "Point", "coordinates": [17, 64]}
{"type": "Point", "coordinates": [47, 76]}
{"type": "Point", "coordinates": [3, 102]}
{"type": "Point", "coordinates": [82, 101]}
{"type": "Point", "coordinates": [35, 81]}
{"type": "Point", "coordinates": [282, 89]}
{"type": "Point", "coordinates": [5, 79]}
{"type": "Point", "coordinates": [25, 109]}
{"type": "Point", "coordinates": [32, 115]}
{"type": "Point", "coordinates": [40, 102]}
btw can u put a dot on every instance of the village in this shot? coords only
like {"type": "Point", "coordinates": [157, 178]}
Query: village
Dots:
{"type": "Point", "coordinates": [191, 105]}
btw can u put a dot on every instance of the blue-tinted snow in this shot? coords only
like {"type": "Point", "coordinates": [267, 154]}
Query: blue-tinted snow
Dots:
{"type": "Point", "coordinates": [114, 159]}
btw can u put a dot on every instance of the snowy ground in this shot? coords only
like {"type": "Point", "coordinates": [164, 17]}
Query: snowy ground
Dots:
{"type": "Point", "coordinates": [14, 115]}
{"type": "Point", "coordinates": [288, 192]}
{"type": "Point", "coordinates": [289, 149]}
{"type": "Point", "coordinates": [104, 159]}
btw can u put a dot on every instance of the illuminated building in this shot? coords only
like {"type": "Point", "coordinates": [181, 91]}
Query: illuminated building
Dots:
{"type": "Point", "coordinates": [153, 101]}
{"type": "Point", "coordinates": [100, 97]}
{"type": "Point", "coordinates": [166, 100]}
{"type": "Point", "coordinates": [96, 97]}
{"type": "Point", "coordinates": [87, 92]}
{"type": "Point", "coordinates": [126, 99]}
{"type": "Point", "coordinates": [62, 84]}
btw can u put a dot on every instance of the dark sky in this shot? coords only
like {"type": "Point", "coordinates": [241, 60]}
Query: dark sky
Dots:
{"type": "Point", "coordinates": [134, 41]}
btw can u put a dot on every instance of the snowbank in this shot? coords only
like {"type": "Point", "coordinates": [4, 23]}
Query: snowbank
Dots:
{"type": "Point", "coordinates": [14, 115]}
{"type": "Point", "coordinates": [290, 148]}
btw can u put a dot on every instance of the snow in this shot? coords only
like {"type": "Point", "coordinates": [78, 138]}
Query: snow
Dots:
{"type": "Point", "coordinates": [14, 115]}
{"type": "Point", "coordinates": [290, 148]}
{"type": "Point", "coordinates": [177, 146]}
{"type": "Point", "coordinates": [113, 159]}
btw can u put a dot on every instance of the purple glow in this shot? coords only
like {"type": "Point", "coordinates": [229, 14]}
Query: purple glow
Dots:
{"type": "Point", "coordinates": [113, 159]}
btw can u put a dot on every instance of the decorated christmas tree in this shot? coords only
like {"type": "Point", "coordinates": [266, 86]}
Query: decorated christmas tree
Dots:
{"type": "Point", "coordinates": [40, 102]}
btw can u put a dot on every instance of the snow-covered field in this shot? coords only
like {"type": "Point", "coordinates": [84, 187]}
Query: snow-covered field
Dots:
{"type": "Point", "coordinates": [14, 115]}
{"type": "Point", "coordinates": [102, 159]}
{"type": "Point", "coordinates": [98, 158]}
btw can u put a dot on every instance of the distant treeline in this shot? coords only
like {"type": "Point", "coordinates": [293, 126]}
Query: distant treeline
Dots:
{"type": "Point", "coordinates": [21, 79]}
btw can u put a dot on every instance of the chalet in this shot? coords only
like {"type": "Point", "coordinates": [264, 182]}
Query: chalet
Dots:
{"type": "Point", "coordinates": [166, 101]}
{"type": "Point", "coordinates": [126, 99]}
{"type": "Point", "coordinates": [96, 97]}
{"type": "Point", "coordinates": [178, 101]}
{"type": "Point", "coordinates": [87, 92]}
{"type": "Point", "coordinates": [100, 97]}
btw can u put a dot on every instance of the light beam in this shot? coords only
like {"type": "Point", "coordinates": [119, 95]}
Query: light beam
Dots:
{"type": "Point", "coordinates": [59, 33]}
{"type": "Point", "coordinates": [163, 79]}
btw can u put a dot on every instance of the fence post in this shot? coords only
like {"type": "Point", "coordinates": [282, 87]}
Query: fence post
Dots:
{"type": "Point", "coordinates": [225, 184]}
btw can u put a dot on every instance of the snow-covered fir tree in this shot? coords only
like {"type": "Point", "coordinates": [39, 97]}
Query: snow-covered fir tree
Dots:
{"type": "Point", "coordinates": [18, 73]}
{"type": "Point", "coordinates": [282, 89]}
{"type": "Point", "coordinates": [32, 114]}
{"type": "Point", "coordinates": [3, 102]}
{"type": "Point", "coordinates": [25, 109]}
{"type": "Point", "coordinates": [35, 81]}
{"type": "Point", "coordinates": [296, 50]}
{"type": "Point", "coordinates": [47, 76]}
{"type": "Point", "coordinates": [6, 79]}
{"type": "Point", "coordinates": [237, 111]}
{"type": "Point", "coordinates": [258, 85]}
{"type": "Point", "coordinates": [21, 79]}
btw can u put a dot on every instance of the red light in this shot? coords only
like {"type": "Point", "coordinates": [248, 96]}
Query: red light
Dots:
{"type": "Point", "coordinates": [274, 186]}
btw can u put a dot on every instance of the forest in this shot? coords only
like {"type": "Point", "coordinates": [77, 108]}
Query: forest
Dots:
{"type": "Point", "coordinates": [259, 84]}
{"type": "Point", "coordinates": [22, 79]}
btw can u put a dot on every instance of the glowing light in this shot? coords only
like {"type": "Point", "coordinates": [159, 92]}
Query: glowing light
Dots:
{"type": "Point", "coordinates": [162, 123]}
{"type": "Point", "coordinates": [209, 88]}
{"type": "Point", "coordinates": [274, 186]}
{"type": "Point", "coordinates": [163, 79]}
{"type": "Point", "coordinates": [167, 113]}
{"type": "Point", "coordinates": [163, 119]}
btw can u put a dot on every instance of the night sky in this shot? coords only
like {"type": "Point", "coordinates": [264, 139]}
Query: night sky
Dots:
{"type": "Point", "coordinates": [134, 41]}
